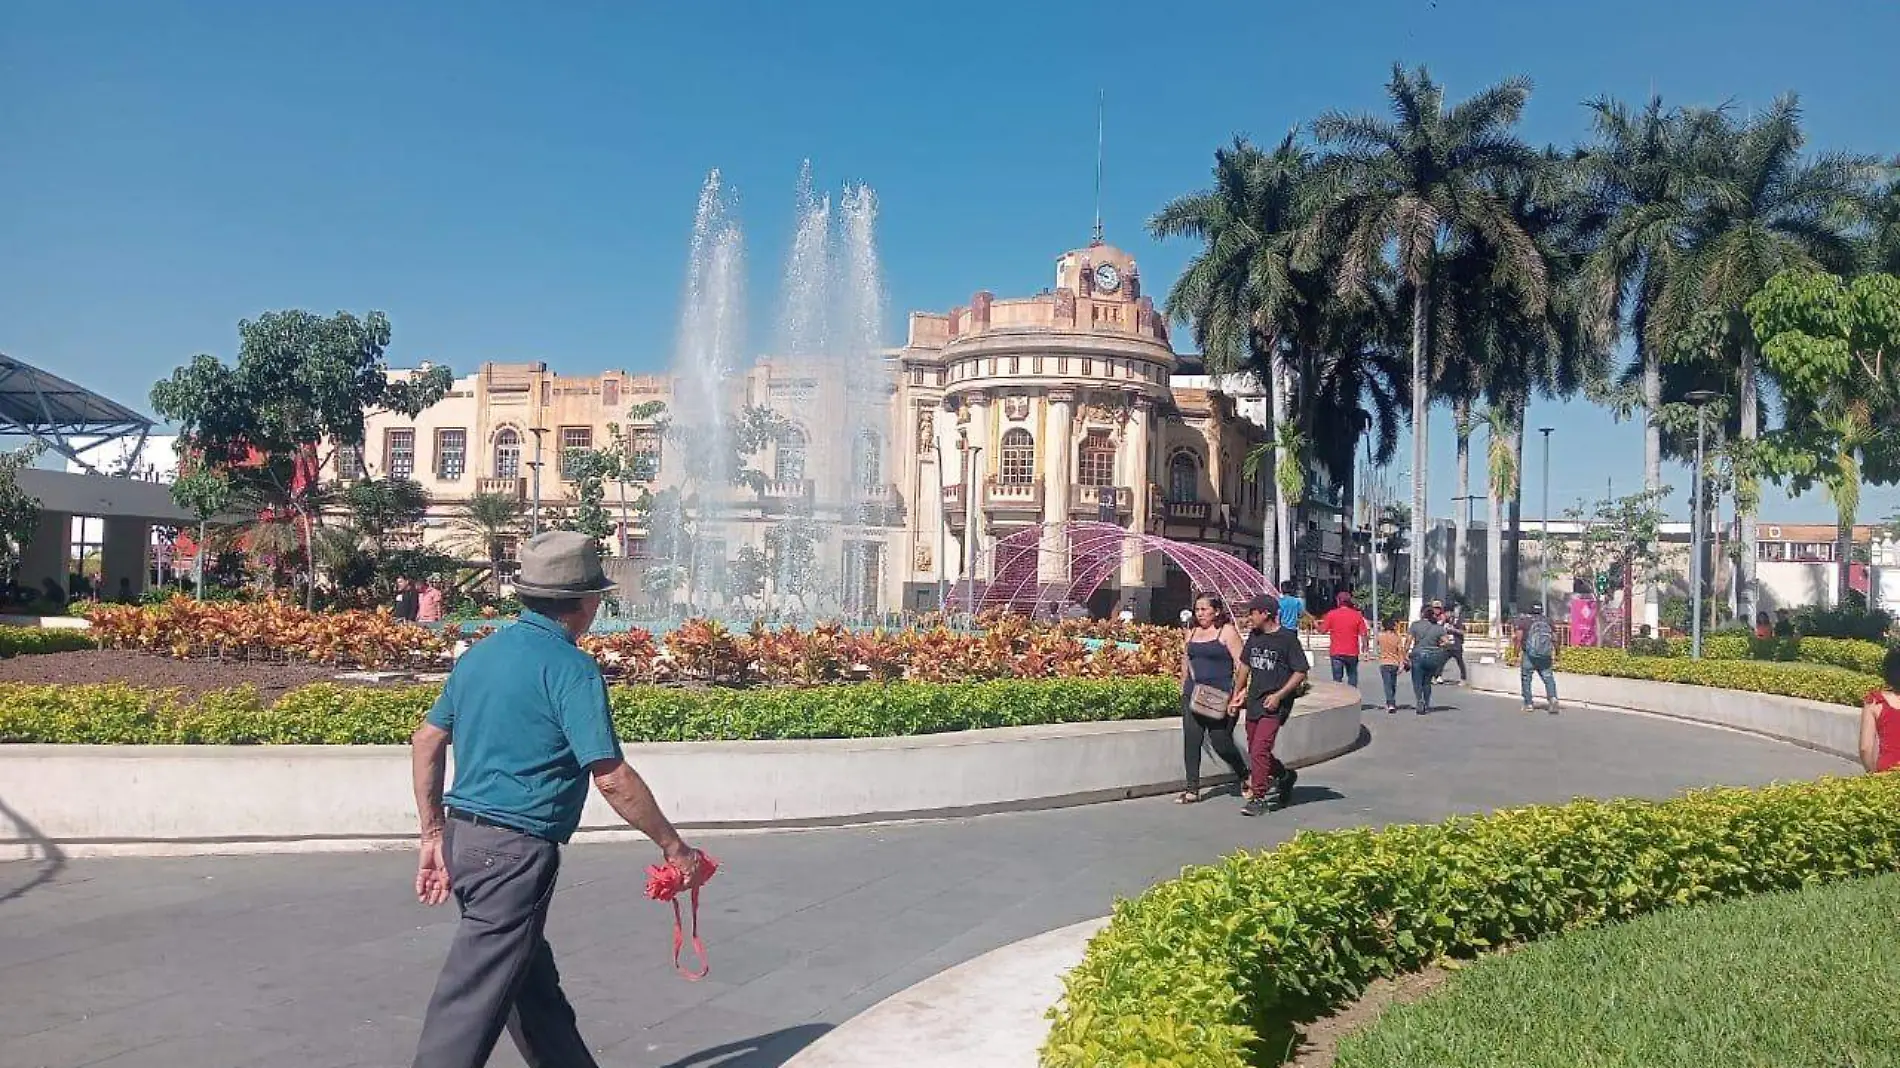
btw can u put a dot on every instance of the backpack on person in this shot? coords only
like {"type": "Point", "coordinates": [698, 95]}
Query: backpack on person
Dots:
{"type": "Point", "coordinates": [1540, 644]}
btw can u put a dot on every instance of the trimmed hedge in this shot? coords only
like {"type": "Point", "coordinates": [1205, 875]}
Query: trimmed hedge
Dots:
{"type": "Point", "coordinates": [1816, 682]}
{"type": "Point", "coordinates": [1218, 968]}
{"type": "Point", "coordinates": [327, 714]}
{"type": "Point", "coordinates": [1853, 654]}
{"type": "Point", "coordinates": [26, 641]}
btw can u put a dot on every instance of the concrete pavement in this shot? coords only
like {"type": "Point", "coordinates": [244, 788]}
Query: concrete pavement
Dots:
{"type": "Point", "coordinates": [325, 959]}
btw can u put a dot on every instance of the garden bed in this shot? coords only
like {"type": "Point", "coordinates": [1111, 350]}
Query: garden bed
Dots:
{"type": "Point", "coordinates": [1791, 979]}
{"type": "Point", "coordinates": [194, 678]}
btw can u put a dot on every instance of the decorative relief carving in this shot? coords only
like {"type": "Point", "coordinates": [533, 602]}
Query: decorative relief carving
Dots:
{"type": "Point", "coordinates": [1062, 396]}
{"type": "Point", "coordinates": [926, 430]}
{"type": "Point", "coordinates": [1016, 407]}
{"type": "Point", "coordinates": [921, 558]}
{"type": "Point", "coordinates": [1109, 408]}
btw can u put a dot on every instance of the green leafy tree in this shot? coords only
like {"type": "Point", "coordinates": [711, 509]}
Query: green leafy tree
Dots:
{"type": "Point", "coordinates": [19, 510]}
{"type": "Point", "coordinates": [205, 492]}
{"type": "Point", "coordinates": [302, 383]}
{"type": "Point", "coordinates": [1620, 536]}
{"type": "Point", "coordinates": [483, 523]}
{"type": "Point", "coordinates": [1411, 187]}
{"type": "Point", "coordinates": [1834, 347]}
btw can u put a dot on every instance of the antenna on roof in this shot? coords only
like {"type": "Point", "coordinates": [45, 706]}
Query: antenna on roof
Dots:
{"type": "Point", "coordinates": [1099, 100]}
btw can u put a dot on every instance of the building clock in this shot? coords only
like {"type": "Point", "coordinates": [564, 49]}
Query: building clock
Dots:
{"type": "Point", "coordinates": [1107, 278]}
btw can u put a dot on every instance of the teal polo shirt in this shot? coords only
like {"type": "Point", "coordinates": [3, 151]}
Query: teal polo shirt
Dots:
{"type": "Point", "coordinates": [526, 712]}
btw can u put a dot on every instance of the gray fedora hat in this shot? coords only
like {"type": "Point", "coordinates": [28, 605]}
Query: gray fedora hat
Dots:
{"type": "Point", "coordinates": [561, 564]}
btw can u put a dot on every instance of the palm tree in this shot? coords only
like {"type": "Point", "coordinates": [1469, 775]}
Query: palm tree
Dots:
{"type": "Point", "coordinates": [483, 523]}
{"type": "Point", "coordinates": [1765, 208]}
{"type": "Point", "coordinates": [1240, 294]}
{"type": "Point", "coordinates": [1418, 184]}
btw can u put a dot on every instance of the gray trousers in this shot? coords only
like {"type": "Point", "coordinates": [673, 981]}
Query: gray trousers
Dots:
{"type": "Point", "coordinates": [500, 972]}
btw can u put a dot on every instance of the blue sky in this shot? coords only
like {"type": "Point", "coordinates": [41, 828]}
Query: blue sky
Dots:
{"type": "Point", "coordinates": [515, 181]}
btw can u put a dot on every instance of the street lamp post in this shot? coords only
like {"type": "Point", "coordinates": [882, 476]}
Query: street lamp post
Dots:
{"type": "Point", "coordinates": [534, 523]}
{"type": "Point", "coordinates": [1700, 398]}
{"type": "Point", "coordinates": [1543, 581]}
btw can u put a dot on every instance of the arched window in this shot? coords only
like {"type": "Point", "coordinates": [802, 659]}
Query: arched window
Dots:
{"type": "Point", "coordinates": [1019, 458]}
{"type": "Point", "coordinates": [789, 464]}
{"type": "Point", "coordinates": [1095, 464]}
{"type": "Point", "coordinates": [1184, 478]}
{"type": "Point", "coordinates": [866, 462]}
{"type": "Point", "coordinates": [507, 454]}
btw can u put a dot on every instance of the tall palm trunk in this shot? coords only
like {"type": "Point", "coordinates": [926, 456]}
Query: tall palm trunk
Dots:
{"type": "Point", "coordinates": [1652, 464]}
{"type": "Point", "coordinates": [1273, 534]}
{"type": "Point", "coordinates": [1751, 430]}
{"type": "Point", "coordinates": [1282, 510]}
{"type": "Point", "coordinates": [1461, 516]}
{"type": "Point", "coordinates": [1494, 531]}
{"type": "Point", "coordinates": [1421, 455]}
{"type": "Point", "coordinates": [1515, 572]}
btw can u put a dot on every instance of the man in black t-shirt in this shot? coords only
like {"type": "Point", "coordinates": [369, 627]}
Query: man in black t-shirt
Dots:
{"type": "Point", "coordinates": [1273, 664]}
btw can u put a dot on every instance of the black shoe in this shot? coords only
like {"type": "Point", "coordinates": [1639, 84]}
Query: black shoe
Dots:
{"type": "Point", "coordinates": [1259, 806]}
{"type": "Point", "coordinates": [1282, 794]}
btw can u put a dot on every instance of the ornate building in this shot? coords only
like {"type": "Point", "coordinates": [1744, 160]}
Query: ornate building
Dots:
{"type": "Point", "coordinates": [1003, 414]}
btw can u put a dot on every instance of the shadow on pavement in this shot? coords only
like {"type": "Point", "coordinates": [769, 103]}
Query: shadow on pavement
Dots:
{"type": "Point", "coordinates": [47, 860]}
{"type": "Point", "coordinates": [765, 1051]}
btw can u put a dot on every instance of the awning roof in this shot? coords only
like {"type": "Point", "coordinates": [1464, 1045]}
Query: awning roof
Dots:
{"type": "Point", "coordinates": [43, 406]}
{"type": "Point", "coordinates": [100, 495]}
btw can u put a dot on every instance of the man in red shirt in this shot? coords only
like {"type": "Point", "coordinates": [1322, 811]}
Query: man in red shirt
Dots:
{"type": "Point", "coordinates": [1348, 629]}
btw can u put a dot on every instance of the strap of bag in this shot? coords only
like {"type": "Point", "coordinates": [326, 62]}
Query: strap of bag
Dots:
{"type": "Point", "coordinates": [679, 942]}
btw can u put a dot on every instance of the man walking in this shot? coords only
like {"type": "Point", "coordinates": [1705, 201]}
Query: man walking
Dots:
{"type": "Point", "coordinates": [1536, 651]}
{"type": "Point", "coordinates": [1346, 630]}
{"type": "Point", "coordinates": [1272, 666]}
{"type": "Point", "coordinates": [527, 714]}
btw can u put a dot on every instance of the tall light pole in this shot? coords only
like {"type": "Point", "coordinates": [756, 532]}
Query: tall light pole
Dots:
{"type": "Point", "coordinates": [534, 523]}
{"type": "Point", "coordinates": [1543, 581]}
{"type": "Point", "coordinates": [943, 537]}
{"type": "Point", "coordinates": [1700, 398]}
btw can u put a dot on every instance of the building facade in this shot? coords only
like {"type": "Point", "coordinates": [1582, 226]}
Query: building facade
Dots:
{"type": "Point", "coordinates": [1002, 415]}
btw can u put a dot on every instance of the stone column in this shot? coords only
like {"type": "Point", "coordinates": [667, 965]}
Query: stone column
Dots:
{"type": "Point", "coordinates": [1137, 464]}
{"type": "Point", "coordinates": [980, 435]}
{"type": "Point", "coordinates": [1058, 472]}
{"type": "Point", "coordinates": [46, 552]}
{"type": "Point", "coordinates": [128, 544]}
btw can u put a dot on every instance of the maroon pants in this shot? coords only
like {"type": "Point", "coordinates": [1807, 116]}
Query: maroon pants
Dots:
{"type": "Point", "coordinates": [1266, 768]}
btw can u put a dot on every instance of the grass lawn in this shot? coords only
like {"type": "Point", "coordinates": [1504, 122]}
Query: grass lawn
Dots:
{"type": "Point", "coordinates": [1784, 980]}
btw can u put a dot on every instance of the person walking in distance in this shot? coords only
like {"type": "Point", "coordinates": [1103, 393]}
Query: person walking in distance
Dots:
{"type": "Point", "coordinates": [526, 712]}
{"type": "Point", "coordinates": [1536, 651]}
{"type": "Point", "coordinates": [1347, 632]}
{"type": "Point", "coordinates": [1272, 666]}
{"type": "Point", "coordinates": [1454, 621]}
{"type": "Point", "coordinates": [1430, 647]}
{"type": "Point", "coordinates": [1207, 686]}
{"type": "Point", "coordinates": [1394, 646]}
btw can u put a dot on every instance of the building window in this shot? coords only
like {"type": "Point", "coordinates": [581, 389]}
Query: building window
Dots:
{"type": "Point", "coordinates": [917, 377]}
{"type": "Point", "coordinates": [1776, 551]}
{"type": "Point", "coordinates": [789, 463]}
{"type": "Point", "coordinates": [1184, 478]}
{"type": "Point", "coordinates": [992, 366]}
{"type": "Point", "coordinates": [646, 455]}
{"type": "Point", "coordinates": [1019, 458]}
{"type": "Point", "coordinates": [866, 463]}
{"type": "Point", "coordinates": [574, 438]}
{"type": "Point", "coordinates": [508, 454]}
{"type": "Point", "coordinates": [1088, 367]}
{"type": "Point", "coordinates": [1095, 465]}
{"type": "Point", "coordinates": [1035, 365]}
{"type": "Point", "coordinates": [547, 392]}
{"type": "Point", "coordinates": [508, 549]}
{"type": "Point", "coordinates": [399, 453]}
{"type": "Point", "coordinates": [451, 454]}
{"type": "Point", "coordinates": [1014, 365]}
{"type": "Point", "coordinates": [349, 461]}
{"type": "Point", "coordinates": [610, 392]}
{"type": "Point", "coordinates": [1062, 365]}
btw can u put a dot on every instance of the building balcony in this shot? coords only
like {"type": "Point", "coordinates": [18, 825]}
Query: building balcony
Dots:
{"type": "Point", "coordinates": [1086, 501]}
{"type": "Point", "coordinates": [791, 494]}
{"type": "Point", "coordinates": [1188, 511]}
{"type": "Point", "coordinates": [516, 488]}
{"type": "Point", "coordinates": [1012, 498]}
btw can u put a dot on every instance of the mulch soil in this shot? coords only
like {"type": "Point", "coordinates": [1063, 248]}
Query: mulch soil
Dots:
{"type": "Point", "coordinates": [194, 677]}
{"type": "Point", "coordinates": [1320, 1045]}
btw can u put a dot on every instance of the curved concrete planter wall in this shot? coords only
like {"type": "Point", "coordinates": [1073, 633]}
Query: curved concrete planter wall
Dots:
{"type": "Point", "coordinates": [1816, 725]}
{"type": "Point", "coordinates": [105, 799]}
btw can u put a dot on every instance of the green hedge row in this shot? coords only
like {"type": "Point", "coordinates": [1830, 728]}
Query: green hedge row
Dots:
{"type": "Point", "coordinates": [326, 714]}
{"type": "Point", "coordinates": [24, 641]}
{"type": "Point", "coordinates": [1218, 968]}
{"type": "Point", "coordinates": [1851, 653]}
{"type": "Point", "coordinates": [1816, 682]}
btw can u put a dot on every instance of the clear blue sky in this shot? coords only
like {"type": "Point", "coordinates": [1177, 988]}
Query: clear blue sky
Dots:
{"type": "Point", "coordinates": [515, 181]}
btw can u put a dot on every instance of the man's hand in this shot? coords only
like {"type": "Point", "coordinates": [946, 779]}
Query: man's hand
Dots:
{"type": "Point", "coordinates": [1271, 702]}
{"type": "Point", "coordinates": [1236, 702]}
{"type": "Point", "coordinates": [686, 860]}
{"type": "Point", "coordinates": [432, 872]}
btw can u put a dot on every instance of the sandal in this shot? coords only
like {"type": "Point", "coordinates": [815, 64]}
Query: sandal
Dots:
{"type": "Point", "coordinates": [1188, 797]}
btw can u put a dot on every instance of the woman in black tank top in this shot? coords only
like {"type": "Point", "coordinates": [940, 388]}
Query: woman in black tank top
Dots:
{"type": "Point", "coordinates": [1213, 648]}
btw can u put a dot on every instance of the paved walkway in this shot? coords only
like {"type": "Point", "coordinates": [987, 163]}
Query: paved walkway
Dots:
{"type": "Point", "coordinates": [325, 960]}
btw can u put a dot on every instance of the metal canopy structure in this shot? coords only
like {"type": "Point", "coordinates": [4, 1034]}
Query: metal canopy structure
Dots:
{"type": "Point", "coordinates": [61, 415]}
{"type": "Point", "coordinates": [1046, 568]}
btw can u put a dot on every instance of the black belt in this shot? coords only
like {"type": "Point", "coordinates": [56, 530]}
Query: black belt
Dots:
{"type": "Point", "coordinates": [480, 820]}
